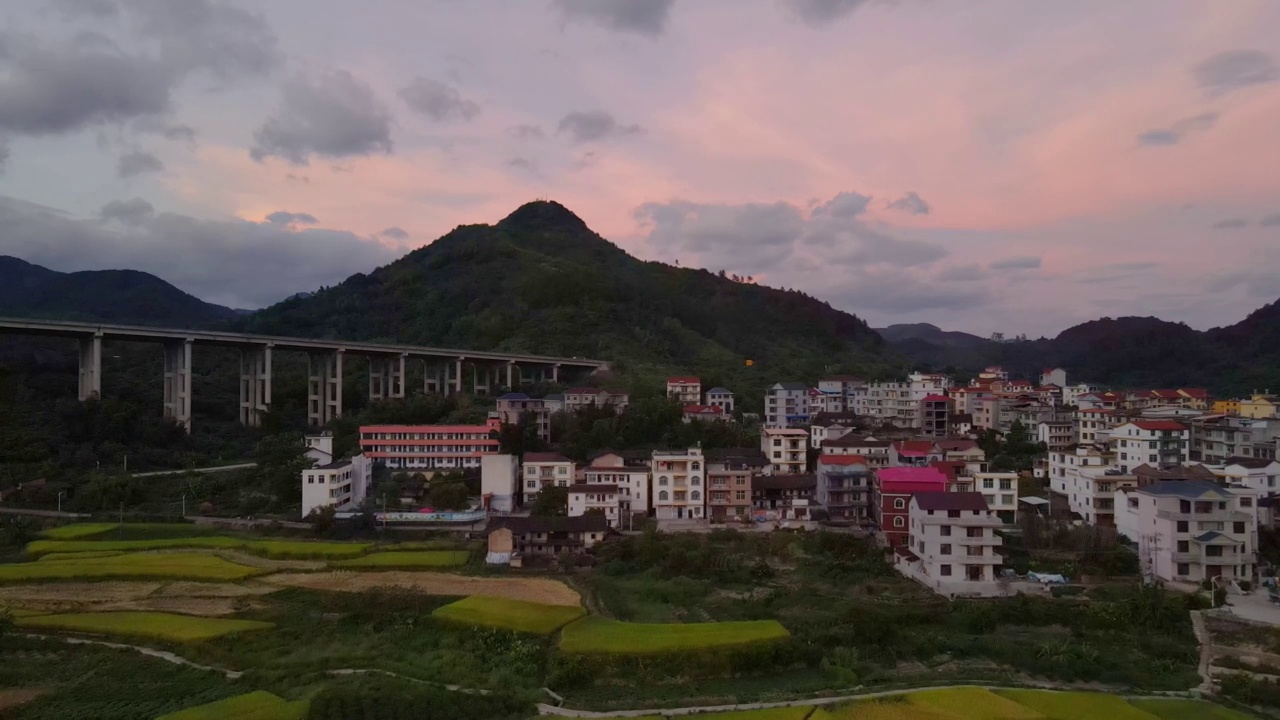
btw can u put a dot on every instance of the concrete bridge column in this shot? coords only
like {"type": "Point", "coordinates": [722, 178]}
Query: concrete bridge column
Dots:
{"type": "Point", "coordinates": [255, 384]}
{"type": "Point", "coordinates": [90, 366]}
{"type": "Point", "coordinates": [379, 377]}
{"type": "Point", "coordinates": [431, 382]}
{"type": "Point", "coordinates": [324, 387]}
{"type": "Point", "coordinates": [510, 367]}
{"type": "Point", "coordinates": [177, 382]}
{"type": "Point", "coordinates": [457, 376]}
{"type": "Point", "coordinates": [396, 384]}
{"type": "Point", "coordinates": [481, 377]}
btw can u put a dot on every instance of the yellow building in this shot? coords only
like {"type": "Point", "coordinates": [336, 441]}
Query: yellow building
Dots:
{"type": "Point", "coordinates": [1226, 407]}
{"type": "Point", "coordinates": [1260, 406]}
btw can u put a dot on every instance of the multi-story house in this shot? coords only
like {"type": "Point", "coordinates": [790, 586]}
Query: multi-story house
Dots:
{"type": "Point", "coordinates": [935, 410]}
{"type": "Point", "coordinates": [705, 413]}
{"type": "Point", "coordinates": [1000, 491]}
{"type": "Point", "coordinates": [1101, 400]}
{"type": "Point", "coordinates": [513, 407]}
{"type": "Point", "coordinates": [342, 484]}
{"type": "Point", "coordinates": [991, 374]}
{"type": "Point", "coordinates": [1057, 434]}
{"type": "Point", "coordinates": [1193, 398]}
{"type": "Point", "coordinates": [914, 453]}
{"type": "Point", "coordinates": [844, 488]}
{"type": "Point", "coordinates": [1071, 393]}
{"type": "Point", "coordinates": [721, 398]}
{"type": "Point", "coordinates": [964, 451]}
{"type": "Point", "coordinates": [888, 402]}
{"type": "Point", "coordinates": [1226, 406]}
{"type": "Point", "coordinates": [1215, 439]}
{"type": "Point", "coordinates": [544, 469]}
{"type": "Point", "coordinates": [831, 425]}
{"type": "Point", "coordinates": [1093, 425]}
{"type": "Point", "coordinates": [960, 423]}
{"type": "Point", "coordinates": [1160, 443]}
{"type": "Point", "coordinates": [678, 484]}
{"type": "Point", "coordinates": [783, 497]}
{"type": "Point", "coordinates": [1054, 376]}
{"type": "Point", "coordinates": [966, 398]}
{"type": "Point", "coordinates": [630, 476]}
{"type": "Point", "coordinates": [729, 482]}
{"type": "Point", "coordinates": [585, 397]}
{"type": "Point", "coordinates": [891, 491]}
{"type": "Point", "coordinates": [320, 448]}
{"type": "Point", "coordinates": [844, 385]}
{"type": "Point", "coordinates": [786, 449]}
{"type": "Point", "coordinates": [513, 539]}
{"type": "Point", "coordinates": [430, 447]}
{"type": "Point", "coordinates": [786, 404]}
{"type": "Point", "coordinates": [1191, 530]}
{"type": "Point", "coordinates": [1088, 478]}
{"type": "Point", "coordinates": [952, 545]}
{"type": "Point", "coordinates": [685, 390]}
{"type": "Point", "coordinates": [602, 499]}
{"type": "Point", "coordinates": [876, 451]}
{"type": "Point", "coordinates": [925, 384]}
{"type": "Point", "coordinates": [1261, 476]}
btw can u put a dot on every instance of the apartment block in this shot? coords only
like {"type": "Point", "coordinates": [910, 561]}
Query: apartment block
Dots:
{"type": "Point", "coordinates": [953, 548]}
{"type": "Point", "coordinates": [1088, 479]}
{"type": "Point", "coordinates": [934, 413]}
{"type": "Point", "coordinates": [844, 488]}
{"type": "Point", "coordinates": [678, 484]}
{"type": "Point", "coordinates": [1057, 434]}
{"type": "Point", "coordinates": [1159, 443]}
{"type": "Point", "coordinates": [1000, 491]}
{"type": "Point", "coordinates": [631, 477]}
{"type": "Point", "coordinates": [545, 469]}
{"type": "Point", "coordinates": [786, 449]}
{"type": "Point", "coordinates": [430, 447]}
{"type": "Point", "coordinates": [515, 407]}
{"type": "Point", "coordinates": [342, 484]}
{"type": "Point", "coordinates": [729, 482]}
{"type": "Point", "coordinates": [1191, 531]}
{"type": "Point", "coordinates": [786, 404]}
{"type": "Point", "coordinates": [685, 390]}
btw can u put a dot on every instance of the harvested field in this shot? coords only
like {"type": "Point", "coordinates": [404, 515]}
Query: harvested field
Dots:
{"type": "Point", "coordinates": [204, 607]}
{"type": "Point", "coordinates": [77, 591]}
{"type": "Point", "coordinates": [269, 548]}
{"type": "Point", "coordinates": [536, 590]}
{"type": "Point", "coordinates": [189, 598]}
{"type": "Point", "coordinates": [408, 559]}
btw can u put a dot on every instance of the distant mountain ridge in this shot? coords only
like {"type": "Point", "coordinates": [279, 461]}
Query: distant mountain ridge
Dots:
{"type": "Point", "coordinates": [929, 333]}
{"type": "Point", "coordinates": [114, 296]}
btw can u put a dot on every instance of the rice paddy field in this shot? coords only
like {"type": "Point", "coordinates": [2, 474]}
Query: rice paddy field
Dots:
{"type": "Point", "coordinates": [407, 559]}
{"type": "Point", "coordinates": [506, 614]}
{"type": "Point", "coordinates": [597, 635]}
{"type": "Point", "coordinates": [177, 566]}
{"type": "Point", "coordinates": [269, 548]}
{"type": "Point", "coordinates": [154, 625]}
{"type": "Point", "coordinates": [258, 705]}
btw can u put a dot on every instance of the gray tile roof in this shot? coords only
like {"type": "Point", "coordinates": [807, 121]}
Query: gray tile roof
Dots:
{"type": "Point", "coordinates": [1190, 489]}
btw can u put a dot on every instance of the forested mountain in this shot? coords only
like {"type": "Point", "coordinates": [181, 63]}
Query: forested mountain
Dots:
{"type": "Point", "coordinates": [115, 296]}
{"type": "Point", "coordinates": [1139, 352]}
{"type": "Point", "coordinates": [541, 281]}
{"type": "Point", "coordinates": [929, 333]}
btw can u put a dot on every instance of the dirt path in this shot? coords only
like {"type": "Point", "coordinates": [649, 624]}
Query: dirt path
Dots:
{"type": "Point", "coordinates": [1206, 652]}
{"type": "Point", "coordinates": [149, 652]}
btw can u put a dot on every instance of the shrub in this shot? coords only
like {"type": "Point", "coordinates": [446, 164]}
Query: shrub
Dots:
{"type": "Point", "coordinates": [258, 705]}
{"type": "Point", "coordinates": [408, 559]}
{"type": "Point", "coordinates": [601, 635]}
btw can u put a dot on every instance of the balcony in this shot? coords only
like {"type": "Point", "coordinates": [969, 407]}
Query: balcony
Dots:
{"type": "Point", "coordinates": [1185, 557]}
{"type": "Point", "coordinates": [1220, 516]}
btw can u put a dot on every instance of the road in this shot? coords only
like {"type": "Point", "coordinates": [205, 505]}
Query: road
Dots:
{"type": "Point", "coordinates": [216, 469]}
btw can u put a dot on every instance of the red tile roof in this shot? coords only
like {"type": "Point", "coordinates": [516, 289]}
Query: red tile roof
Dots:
{"type": "Point", "coordinates": [914, 448]}
{"type": "Point", "coordinates": [842, 460]}
{"type": "Point", "coordinates": [702, 409]}
{"type": "Point", "coordinates": [911, 475]}
{"type": "Point", "coordinates": [1197, 393]}
{"type": "Point", "coordinates": [1158, 425]}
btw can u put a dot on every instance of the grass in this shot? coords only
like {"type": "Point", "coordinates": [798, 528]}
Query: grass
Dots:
{"type": "Point", "coordinates": [894, 708]}
{"type": "Point", "coordinates": [408, 559]}
{"type": "Point", "coordinates": [176, 566]}
{"type": "Point", "coordinates": [528, 617]}
{"type": "Point", "coordinates": [972, 703]}
{"type": "Point", "coordinates": [269, 548]}
{"type": "Point", "coordinates": [127, 531]}
{"type": "Point", "coordinates": [1188, 710]}
{"type": "Point", "coordinates": [155, 625]}
{"type": "Point", "coordinates": [86, 555]}
{"type": "Point", "coordinates": [258, 705]}
{"type": "Point", "coordinates": [1076, 705]}
{"type": "Point", "coordinates": [601, 635]}
{"type": "Point", "coordinates": [787, 713]}
{"type": "Point", "coordinates": [78, 530]}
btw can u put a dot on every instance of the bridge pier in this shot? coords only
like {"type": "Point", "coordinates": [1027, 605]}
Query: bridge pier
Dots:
{"type": "Point", "coordinates": [386, 377]}
{"type": "Point", "coordinates": [324, 387]}
{"type": "Point", "coordinates": [431, 382]}
{"type": "Point", "coordinates": [255, 384]}
{"type": "Point", "coordinates": [457, 376]}
{"type": "Point", "coordinates": [510, 368]}
{"type": "Point", "coordinates": [177, 382]}
{"type": "Point", "coordinates": [90, 366]}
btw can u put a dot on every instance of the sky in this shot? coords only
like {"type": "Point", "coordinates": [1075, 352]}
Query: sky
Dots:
{"type": "Point", "coordinates": [985, 165]}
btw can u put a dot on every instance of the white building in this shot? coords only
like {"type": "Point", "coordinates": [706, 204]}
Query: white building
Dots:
{"type": "Point", "coordinates": [888, 402]}
{"type": "Point", "coordinates": [1089, 479]}
{"type": "Point", "coordinates": [875, 451]}
{"type": "Point", "coordinates": [721, 398]}
{"type": "Point", "coordinates": [1000, 491]}
{"type": "Point", "coordinates": [320, 448]}
{"type": "Point", "coordinates": [1053, 376]}
{"type": "Point", "coordinates": [631, 480]}
{"type": "Point", "coordinates": [1192, 530]}
{"type": "Point", "coordinates": [786, 449]}
{"type": "Point", "coordinates": [1262, 476]}
{"type": "Point", "coordinates": [926, 384]}
{"type": "Point", "coordinates": [342, 484]}
{"type": "Point", "coordinates": [952, 544]}
{"type": "Point", "coordinates": [786, 404]}
{"type": "Point", "coordinates": [685, 390]}
{"type": "Point", "coordinates": [604, 499]}
{"type": "Point", "coordinates": [499, 482]}
{"type": "Point", "coordinates": [679, 490]}
{"type": "Point", "coordinates": [1158, 443]}
{"type": "Point", "coordinates": [1057, 434]}
{"type": "Point", "coordinates": [545, 469]}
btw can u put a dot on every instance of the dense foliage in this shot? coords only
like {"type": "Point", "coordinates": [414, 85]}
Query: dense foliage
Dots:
{"type": "Point", "coordinates": [378, 698]}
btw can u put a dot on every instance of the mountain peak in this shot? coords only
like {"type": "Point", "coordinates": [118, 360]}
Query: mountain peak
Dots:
{"type": "Point", "coordinates": [543, 215]}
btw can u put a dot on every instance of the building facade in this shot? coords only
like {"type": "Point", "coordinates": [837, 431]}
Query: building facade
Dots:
{"type": "Point", "coordinates": [729, 483]}
{"type": "Point", "coordinates": [786, 404]}
{"type": "Point", "coordinates": [600, 499]}
{"type": "Point", "coordinates": [953, 545]}
{"type": "Point", "coordinates": [685, 390]}
{"type": "Point", "coordinates": [721, 398]}
{"type": "Point", "coordinates": [1191, 531]}
{"type": "Point", "coordinates": [786, 449]}
{"type": "Point", "coordinates": [678, 487]}
{"type": "Point", "coordinates": [1000, 492]}
{"type": "Point", "coordinates": [545, 469]}
{"type": "Point", "coordinates": [430, 447]}
{"type": "Point", "coordinates": [342, 485]}
{"type": "Point", "coordinates": [844, 488]}
{"type": "Point", "coordinates": [631, 479]}
{"type": "Point", "coordinates": [892, 489]}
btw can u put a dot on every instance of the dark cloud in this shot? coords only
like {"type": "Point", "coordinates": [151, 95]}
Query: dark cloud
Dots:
{"type": "Point", "coordinates": [1235, 69]}
{"type": "Point", "coordinates": [752, 237]}
{"type": "Point", "coordinates": [643, 17]}
{"type": "Point", "coordinates": [128, 212]}
{"type": "Point", "coordinates": [96, 9]}
{"type": "Point", "coordinates": [297, 178]}
{"type": "Point", "coordinates": [819, 13]}
{"type": "Point", "coordinates": [897, 294]}
{"type": "Point", "coordinates": [231, 262]}
{"type": "Point", "coordinates": [1132, 266]}
{"type": "Point", "coordinates": [1270, 220]}
{"type": "Point", "coordinates": [1231, 224]}
{"type": "Point", "coordinates": [1255, 283]}
{"type": "Point", "coordinates": [394, 233]}
{"type": "Point", "coordinates": [963, 273]}
{"type": "Point", "coordinates": [873, 247]}
{"type": "Point", "coordinates": [217, 37]}
{"type": "Point", "coordinates": [4, 153]}
{"type": "Point", "coordinates": [1018, 262]}
{"type": "Point", "coordinates": [280, 217]}
{"type": "Point", "coordinates": [525, 164]}
{"type": "Point", "coordinates": [526, 132]}
{"type": "Point", "coordinates": [591, 125]}
{"type": "Point", "coordinates": [86, 81]}
{"type": "Point", "coordinates": [910, 203]}
{"type": "Point", "coordinates": [844, 205]}
{"type": "Point", "coordinates": [166, 130]}
{"type": "Point", "coordinates": [438, 101]}
{"type": "Point", "coordinates": [1176, 132]}
{"type": "Point", "coordinates": [137, 162]}
{"type": "Point", "coordinates": [332, 115]}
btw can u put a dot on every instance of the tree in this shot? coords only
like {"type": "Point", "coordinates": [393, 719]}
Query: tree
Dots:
{"type": "Point", "coordinates": [448, 494]}
{"type": "Point", "coordinates": [281, 460]}
{"type": "Point", "coordinates": [521, 437]}
{"type": "Point", "coordinates": [322, 519]}
{"type": "Point", "coordinates": [552, 501]}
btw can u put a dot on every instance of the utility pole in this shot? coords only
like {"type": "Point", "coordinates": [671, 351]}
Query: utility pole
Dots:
{"type": "Point", "coordinates": [184, 505]}
{"type": "Point", "coordinates": [122, 513]}
{"type": "Point", "coordinates": [126, 464]}
{"type": "Point", "coordinates": [60, 493]}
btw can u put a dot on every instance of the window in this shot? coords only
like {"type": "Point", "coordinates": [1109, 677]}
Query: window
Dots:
{"type": "Point", "coordinates": [953, 513]}
{"type": "Point", "coordinates": [1246, 502]}
{"type": "Point", "coordinates": [1184, 546]}
{"type": "Point", "coordinates": [740, 495]}
{"type": "Point", "coordinates": [530, 470]}
{"type": "Point", "coordinates": [945, 530]}
{"type": "Point", "coordinates": [1239, 528]}
{"type": "Point", "coordinates": [533, 484]}
{"type": "Point", "coordinates": [777, 454]}
{"type": "Point", "coordinates": [1184, 569]}
{"type": "Point", "coordinates": [1006, 484]}
{"type": "Point", "coordinates": [562, 470]}
{"type": "Point", "coordinates": [1182, 526]}
{"type": "Point", "coordinates": [899, 503]}
{"type": "Point", "coordinates": [695, 480]}
{"type": "Point", "coordinates": [695, 495]}
{"type": "Point", "coordinates": [695, 466]}
{"type": "Point", "coordinates": [663, 480]}
{"type": "Point", "coordinates": [899, 521]}
{"type": "Point", "coordinates": [662, 496]}
{"type": "Point", "coordinates": [988, 484]}
{"type": "Point", "coordinates": [945, 570]}
{"type": "Point", "coordinates": [945, 549]}
{"type": "Point", "coordinates": [974, 532]}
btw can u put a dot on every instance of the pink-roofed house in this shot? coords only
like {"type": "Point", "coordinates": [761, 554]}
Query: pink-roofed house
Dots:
{"type": "Point", "coordinates": [892, 489]}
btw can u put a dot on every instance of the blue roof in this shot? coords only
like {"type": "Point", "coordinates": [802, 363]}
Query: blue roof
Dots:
{"type": "Point", "coordinates": [1213, 536]}
{"type": "Point", "coordinates": [514, 396]}
{"type": "Point", "coordinates": [1189, 489]}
